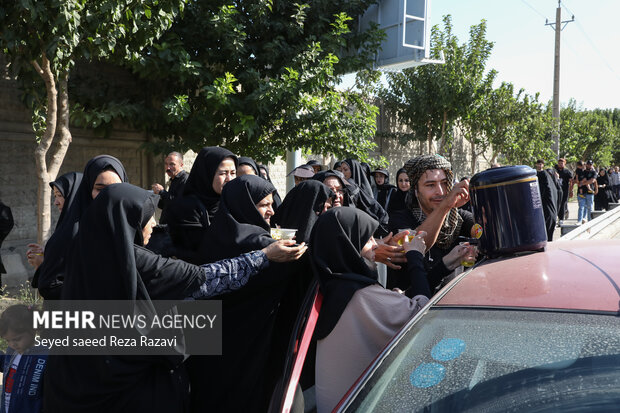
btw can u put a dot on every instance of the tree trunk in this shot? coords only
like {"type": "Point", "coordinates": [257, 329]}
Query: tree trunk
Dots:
{"type": "Point", "coordinates": [442, 140]}
{"type": "Point", "coordinates": [64, 134]}
{"type": "Point", "coordinates": [429, 137]}
{"type": "Point", "coordinates": [51, 112]}
{"type": "Point", "coordinates": [473, 156]}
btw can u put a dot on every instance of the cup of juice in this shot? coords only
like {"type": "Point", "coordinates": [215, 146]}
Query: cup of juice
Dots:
{"type": "Point", "coordinates": [408, 237]}
{"type": "Point", "coordinates": [469, 259]}
{"type": "Point", "coordinates": [283, 233]}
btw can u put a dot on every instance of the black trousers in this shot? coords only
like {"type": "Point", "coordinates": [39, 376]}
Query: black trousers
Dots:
{"type": "Point", "coordinates": [563, 207]}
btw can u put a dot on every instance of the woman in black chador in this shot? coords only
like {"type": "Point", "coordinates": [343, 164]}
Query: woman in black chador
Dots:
{"type": "Point", "coordinates": [100, 171]}
{"type": "Point", "coordinates": [355, 197]}
{"type": "Point", "coordinates": [65, 187]}
{"type": "Point", "coordinates": [108, 262]}
{"type": "Point", "coordinates": [605, 194]}
{"type": "Point", "coordinates": [399, 197]}
{"type": "Point", "coordinates": [192, 213]}
{"type": "Point", "coordinates": [301, 207]}
{"type": "Point", "coordinates": [241, 380]}
{"type": "Point", "coordinates": [384, 190]}
{"type": "Point", "coordinates": [354, 171]}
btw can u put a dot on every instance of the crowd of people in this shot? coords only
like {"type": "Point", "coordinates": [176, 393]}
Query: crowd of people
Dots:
{"type": "Point", "coordinates": [595, 191]}
{"type": "Point", "coordinates": [213, 241]}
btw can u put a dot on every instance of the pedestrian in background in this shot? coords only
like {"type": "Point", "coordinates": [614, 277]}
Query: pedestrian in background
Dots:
{"type": "Point", "coordinates": [614, 180]}
{"type": "Point", "coordinates": [6, 225]}
{"type": "Point", "coordinates": [585, 196]}
{"type": "Point", "coordinates": [605, 194]}
{"type": "Point", "coordinates": [566, 177]}
{"type": "Point", "coordinates": [549, 195]}
{"type": "Point", "coordinates": [178, 177]}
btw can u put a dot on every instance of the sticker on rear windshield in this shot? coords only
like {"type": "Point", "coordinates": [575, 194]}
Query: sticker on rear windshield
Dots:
{"type": "Point", "coordinates": [427, 375]}
{"type": "Point", "coordinates": [448, 349]}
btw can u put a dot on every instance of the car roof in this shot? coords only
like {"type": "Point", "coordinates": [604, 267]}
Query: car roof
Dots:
{"type": "Point", "coordinates": [581, 275]}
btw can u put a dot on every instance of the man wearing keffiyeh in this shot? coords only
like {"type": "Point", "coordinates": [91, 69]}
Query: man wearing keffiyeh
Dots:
{"type": "Point", "coordinates": [433, 199]}
{"type": "Point", "coordinates": [433, 207]}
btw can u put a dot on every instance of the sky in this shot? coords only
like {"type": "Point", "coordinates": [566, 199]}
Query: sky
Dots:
{"type": "Point", "coordinates": [523, 53]}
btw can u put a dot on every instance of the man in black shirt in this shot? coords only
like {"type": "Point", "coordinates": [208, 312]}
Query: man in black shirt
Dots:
{"type": "Point", "coordinates": [565, 177]}
{"type": "Point", "coordinates": [435, 209]}
{"type": "Point", "coordinates": [178, 177]}
{"type": "Point", "coordinates": [585, 194]}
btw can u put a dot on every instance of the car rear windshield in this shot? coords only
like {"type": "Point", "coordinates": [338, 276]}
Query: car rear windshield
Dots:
{"type": "Point", "coordinates": [497, 361]}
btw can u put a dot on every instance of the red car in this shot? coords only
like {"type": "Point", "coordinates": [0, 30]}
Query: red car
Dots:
{"type": "Point", "coordinates": [538, 332]}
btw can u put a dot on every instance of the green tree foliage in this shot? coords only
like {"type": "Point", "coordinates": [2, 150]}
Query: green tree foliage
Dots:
{"type": "Point", "coordinates": [429, 99]}
{"type": "Point", "coordinates": [258, 77]}
{"type": "Point", "coordinates": [43, 40]}
{"type": "Point", "coordinates": [516, 127]}
{"type": "Point", "coordinates": [589, 134]}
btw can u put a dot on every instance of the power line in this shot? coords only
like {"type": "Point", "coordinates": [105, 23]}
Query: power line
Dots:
{"type": "Point", "coordinates": [596, 49]}
{"type": "Point", "coordinates": [566, 7]}
{"type": "Point", "coordinates": [535, 11]}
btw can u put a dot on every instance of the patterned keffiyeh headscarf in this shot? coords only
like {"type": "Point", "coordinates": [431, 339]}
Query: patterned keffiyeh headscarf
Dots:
{"type": "Point", "coordinates": [415, 168]}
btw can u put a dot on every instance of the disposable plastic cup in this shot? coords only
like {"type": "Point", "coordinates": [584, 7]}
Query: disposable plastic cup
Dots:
{"type": "Point", "coordinates": [282, 233]}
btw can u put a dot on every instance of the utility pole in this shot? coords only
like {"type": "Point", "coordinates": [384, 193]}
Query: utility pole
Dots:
{"type": "Point", "coordinates": [558, 26]}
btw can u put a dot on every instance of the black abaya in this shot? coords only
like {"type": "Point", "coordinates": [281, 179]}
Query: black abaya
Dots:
{"type": "Point", "coordinates": [52, 270]}
{"type": "Point", "coordinates": [67, 185]}
{"type": "Point", "coordinates": [605, 194]}
{"type": "Point", "coordinates": [107, 263]}
{"type": "Point", "coordinates": [190, 214]}
{"type": "Point", "coordinates": [241, 380]}
{"type": "Point", "coordinates": [359, 175]}
{"type": "Point", "coordinates": [301, 208]}
{"type": "Point", "coordinates": [103, 266]}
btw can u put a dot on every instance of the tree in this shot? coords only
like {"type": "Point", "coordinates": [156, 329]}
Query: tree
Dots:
{"type": "Point", "coordinates": [428, 99]}
{"type": "Point", "coordinates": [588, 134]}
{"type": "Point", "coordinates": [43, 40]}
{"type": "Point", "coordinates": [258, 78]}
{"type": "Point", "coordinates": [516, 126]}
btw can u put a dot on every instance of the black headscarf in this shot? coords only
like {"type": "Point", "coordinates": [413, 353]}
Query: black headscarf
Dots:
{"type": "Point", "coordinates": [246, 160]}
{"type": "Point", "coordinates": [200, 180]}
{"type": "Point", "coordinates": [108, 231]}
{"type": "Point", "coordinates": [189, 215]}
{"type": "Point", "coordinates": [338, 237]}
{"type": "Point", "coordinates": [104, 266]}
{"type": "Point", "coordinates": [52, 271]}
{"type": "Point", "coordinates": [301, 208]}
{"type": "Point", "coordinates": [398, 198]}
{"type": "Point", "coordinates": [355, 197]}
{"type": "Point", "coordinates": [238, 227]}
{"type": "Point", "coordinates": [359, 175]}
{"type": "Point", "coordinates": [385, 191]}
{"type": "Point", "coordinates": [67, 185]}
{"type": "Point", "coordinates": [242, 378]}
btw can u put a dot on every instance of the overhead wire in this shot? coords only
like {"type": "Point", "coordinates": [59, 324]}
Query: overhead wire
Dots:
{"type": "Point", "coordinates": [596, 49]}
{"type": "Point", "coordinates": [532, 7]}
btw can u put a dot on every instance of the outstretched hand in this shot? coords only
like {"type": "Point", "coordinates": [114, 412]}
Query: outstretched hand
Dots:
{"type": "Point", "coordinates": [453, 259]}
{"type": "Point", "coordinates": [389, 252]}
{"type": "Point", "coordinates": [284, 251]}
{"type": "Point", "coordinates": [416, 243]}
